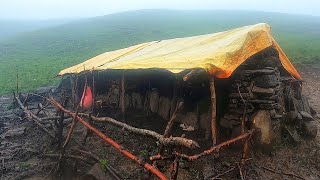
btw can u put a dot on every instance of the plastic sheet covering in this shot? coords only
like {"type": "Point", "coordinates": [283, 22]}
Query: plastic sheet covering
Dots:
{"type": "Point", "coordinates": [219, 53]}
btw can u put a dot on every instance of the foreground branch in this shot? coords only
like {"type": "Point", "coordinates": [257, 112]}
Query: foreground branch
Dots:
{"type": "Point", "coordinates": [214, 148]}
{"type": "Point", "coordinates": [33, 117]}
{"type": "Point", "coordinates": [125, 152]}
{"type": "Point", "coordinates": [170, 141]}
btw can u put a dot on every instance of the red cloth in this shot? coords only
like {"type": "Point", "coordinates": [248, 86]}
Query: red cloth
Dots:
{"type": "Point", "coordinates": [86, 99]}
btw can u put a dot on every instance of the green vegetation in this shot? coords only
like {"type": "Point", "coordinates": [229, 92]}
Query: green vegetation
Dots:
{"type": "Point", "coordinates": [39, 55]}
{"type": "Point", "coordinates": [103, 164]}
{"type": "Point", "coordinates": [11, 28]}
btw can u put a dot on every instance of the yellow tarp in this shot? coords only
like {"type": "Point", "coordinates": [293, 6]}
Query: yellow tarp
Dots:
{"type": "Point", "coordinates": [219, 53]}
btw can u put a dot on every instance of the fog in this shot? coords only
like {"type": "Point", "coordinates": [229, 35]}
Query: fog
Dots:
{"type": "Point", "coordinates": [57, 9]}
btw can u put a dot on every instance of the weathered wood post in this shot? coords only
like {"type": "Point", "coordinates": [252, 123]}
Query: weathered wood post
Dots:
{"type": "Point", "coordinates": [122, 97]}
{"type": "Point", "coordinates": [17, 81]}
{"type": "Point", "coordinates": [93, 92]}
{"type": "Point", "coordinates": [213, 110]}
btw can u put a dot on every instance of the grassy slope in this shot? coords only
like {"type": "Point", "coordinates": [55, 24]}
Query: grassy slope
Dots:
{"type": "Point", "coordinates": [40, 55]}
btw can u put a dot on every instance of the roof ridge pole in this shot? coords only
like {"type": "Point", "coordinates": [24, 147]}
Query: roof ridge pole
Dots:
{"type": "Point", "coordinates": [213, 110]}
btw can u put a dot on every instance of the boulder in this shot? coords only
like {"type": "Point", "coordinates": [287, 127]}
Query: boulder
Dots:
{"type": "Point", "coordinates": [154, 100]}
{"type": "Point", "coordinates": [164, 107]}
{"type": "Point", "coordinates": [310, 129]}
{"type": "Point", "coordinates": [136, 101]}
{"type": "Point", "coordinates": [264, 135]}
{"type": "Point", "coordinates": [291, 117]}
{"type": "Point", "coordinates": [205, 124]}
{"type": "Point", "coordinates": [306, 116]}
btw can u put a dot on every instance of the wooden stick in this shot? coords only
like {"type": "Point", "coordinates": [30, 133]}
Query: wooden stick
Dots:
{"type": "Point", "coordinates": [113, 171]}
{"type": "Point", "coordinates": [17, 81]}
{"type": "Point", "coordinates": [213, 111]}
{"type": "Point", "coordinates": [93, 91]}
{"type": "Point", "coordinates": [128, 154]}
{"type": "Point", "coordinates": [33, 117]}
{"type": "Point", "coordinates": [67, 156]}
{"type": "Point", "coordinates": [60, 125]}
{"type": "Point", "coordinates": [284, 173]}
{"type": "Point", "coordinates": [170, 141]}
{"type": "Point", "coordinates": [214, 148]}
{"type": "Point", "coordinates": [187, 76]}
{"type": "Point", "coordinates": [122, 96]}
{"type": "Point", "coordinates": [221, 174]}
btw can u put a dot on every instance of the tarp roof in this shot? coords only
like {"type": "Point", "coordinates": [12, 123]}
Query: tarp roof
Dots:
{"type": "Point", "coordinates": [219, 53]}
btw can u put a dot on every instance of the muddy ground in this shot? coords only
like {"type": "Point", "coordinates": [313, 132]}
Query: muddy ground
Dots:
{"type": "Point", "coordinates": [24, 147]}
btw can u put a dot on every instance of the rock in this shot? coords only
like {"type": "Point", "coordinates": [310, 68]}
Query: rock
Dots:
{"type": "Point", "coordinates": [229, 123]}
{"type": "Point", "coordinates": [154, 100]}
{"type": "Point", "coordinates": [306, 105]}
{"type": "Point", "coordinates": [231, 117]}
{"type": "Point", "coordinates": [293, 134]}
{"type": "Point", "coordinates": [270, 106]}
{"type": "Point", "coordinates": [189, 119]}
{"type": "Point", "coordinates": [313, 112]}
{"type": "Point", "coordinates": [297, 104]}
{"type": "Point", "coordinates": [266, 81]}
{"type": "Point", "coordinates": [225, 123]}
{"type": "Point", "coordinates": [306, 116]}
{"type": "Point", "coordinates": [205, 124]}
{"type": "Point", "coordinates": [96, 173]}
{"type": "Point", "coordinates": [13, 132]}
{"type": "Point", "coordinates": [19, 112]}
{"type": "Point", "coordinates": [136, 101]}
{"type": "Point", "coordinates": [164, 107]}
{"type": "Point", "coordinates": [291, 116]}
{"type": "Point", "coordinates": [259, 90]}
{"type": "Point", "coordinates": [127, 101]}
{"type": "Point", "coordinates": [208, 171]}
{"type": "Point", "coordinates": [310, 129]}
{"type": "Point", "coordinates": [264, 136]}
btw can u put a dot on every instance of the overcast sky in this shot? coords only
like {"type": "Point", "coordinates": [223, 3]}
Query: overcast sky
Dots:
{"type": "Point", "coordinates": [55, 9]}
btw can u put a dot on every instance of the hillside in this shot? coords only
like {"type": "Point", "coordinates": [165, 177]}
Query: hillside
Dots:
{"type": "Point", "coordinates": [11, 28]}
{"type": "Point", "coordinates": [41, 54]}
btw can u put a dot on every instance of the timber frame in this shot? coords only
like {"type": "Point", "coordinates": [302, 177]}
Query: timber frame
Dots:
{"type": "Point", "coordinates": [165, 140]}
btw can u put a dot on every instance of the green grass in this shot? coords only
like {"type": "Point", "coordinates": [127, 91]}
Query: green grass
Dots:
{"type": "Point", "coordinates": [39, 55]}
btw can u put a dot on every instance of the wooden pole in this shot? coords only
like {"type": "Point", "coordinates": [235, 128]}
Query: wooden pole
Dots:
{"type": "Point", "coordinates": [93, 92]}
{"type": "Point", "coordinates": [214, 148]}
{"type": "Point", "coordinates": [122, 96]}
{"type": "Point", "coordinates": [73, 85]}
{"type": "Point", "coordinates": [17, 80]}
{"type": "Point", "coordinates": [213, 111]}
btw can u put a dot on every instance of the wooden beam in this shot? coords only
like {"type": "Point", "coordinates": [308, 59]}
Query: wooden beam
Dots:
{"type": "Point", "coordinates": [213, 111]}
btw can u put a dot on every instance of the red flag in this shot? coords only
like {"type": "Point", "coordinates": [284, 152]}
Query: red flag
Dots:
{"type": "Point", "coordinates": [86, 99]}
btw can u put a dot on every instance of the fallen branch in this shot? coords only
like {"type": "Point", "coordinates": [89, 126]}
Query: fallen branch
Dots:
{"type": "Point", "coordinates": [128, 154]}
{"type": "Point", "coordinates": [281, 172]}
{"type": "Point", "coordinates": [109, 168]}
{"type": "Point", "coordinates": [170, 141]}
{"type": "Point", "coordinates": [160, 157]}
{"type": "Point", "coordinates": [33, 117]}
{"type": "Point", "coordinates": [96, 158]}
{"type": "Point", "coordinates": [214, 148]}
{"type": "Point", "coordinates": [221, 174]}
{"type": "Point", "coordinates": [67, 156]}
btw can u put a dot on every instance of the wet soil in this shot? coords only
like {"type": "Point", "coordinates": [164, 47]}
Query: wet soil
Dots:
{"type": "Point", "coordinates": [23, 147]}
